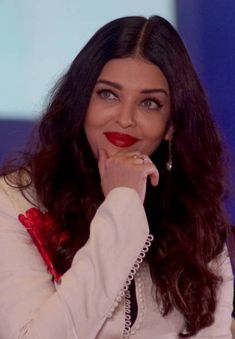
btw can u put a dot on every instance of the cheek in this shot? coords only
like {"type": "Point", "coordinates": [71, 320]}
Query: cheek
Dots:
{"type": "Point", "coordinates": [155, 126]}
{"type": "Point", "coordinates": [155, 131]}
{"type": "Point", "coordinates": [93, 127]}
{"type": "Point", "coordinates": [96, 118]}
{"type": "Point", "coordinates": [92, 115]}
{"type": "Point", "coordinates": [91, 120]}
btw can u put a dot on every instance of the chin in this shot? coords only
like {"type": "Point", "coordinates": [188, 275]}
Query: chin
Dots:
{"type": "Point", "coordinates": [110, 151]}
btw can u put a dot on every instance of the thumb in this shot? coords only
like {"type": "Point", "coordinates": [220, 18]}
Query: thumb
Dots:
{"type": "Point", "coordinates": [103, 156]}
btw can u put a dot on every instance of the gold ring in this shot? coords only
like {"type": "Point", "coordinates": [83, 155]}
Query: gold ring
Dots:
{"type": "Point", "coordinates": [142, 157]}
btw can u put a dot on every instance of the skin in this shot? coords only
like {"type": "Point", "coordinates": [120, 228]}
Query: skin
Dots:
{"type": "Point", "coordinates": [131, 96]}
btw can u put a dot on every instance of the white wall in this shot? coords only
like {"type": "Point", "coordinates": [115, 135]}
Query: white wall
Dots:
{"type": "Point", "coordinates": [39, 39]}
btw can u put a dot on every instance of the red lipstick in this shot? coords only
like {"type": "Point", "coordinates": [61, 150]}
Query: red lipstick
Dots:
{"type": "Point", "coordinates": [120, 139]}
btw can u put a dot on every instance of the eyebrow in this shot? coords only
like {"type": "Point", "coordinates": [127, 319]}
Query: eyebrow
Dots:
{"type": "Point", "coordinates": [143, 91]}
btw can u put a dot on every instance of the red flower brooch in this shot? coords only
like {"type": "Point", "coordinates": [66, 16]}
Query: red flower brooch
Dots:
{"type": "Point", "coordinates": [42, 230]}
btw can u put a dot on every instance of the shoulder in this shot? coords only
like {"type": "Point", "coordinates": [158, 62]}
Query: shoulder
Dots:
{"type": "Point", "coordinates": [222, 266]}
{"type": "Point", "coordinates": [12, 201]}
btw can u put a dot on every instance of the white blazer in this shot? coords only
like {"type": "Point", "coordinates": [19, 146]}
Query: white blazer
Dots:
{"type": "Point", "coordinates": [90, 302]}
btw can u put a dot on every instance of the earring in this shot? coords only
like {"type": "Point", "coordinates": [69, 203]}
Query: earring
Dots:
{"type": "Point", "coordinates": [169, 163]}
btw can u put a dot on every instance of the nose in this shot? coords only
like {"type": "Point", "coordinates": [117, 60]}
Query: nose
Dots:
{"type": "Point", "coordinates": [126, 116]}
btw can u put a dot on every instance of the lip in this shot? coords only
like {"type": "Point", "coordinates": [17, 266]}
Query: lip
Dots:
{"type": "Point", "coordinates": [120, 139]}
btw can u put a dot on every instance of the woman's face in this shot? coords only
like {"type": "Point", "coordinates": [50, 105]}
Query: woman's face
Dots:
{"type": "Point", "coordinates": [129, 108]}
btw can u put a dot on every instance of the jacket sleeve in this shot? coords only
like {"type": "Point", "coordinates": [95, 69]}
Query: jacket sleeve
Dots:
{"type": "Point", "coordinates": [31, 306]}
{"type": "Point", "coordinates": [221, 328]}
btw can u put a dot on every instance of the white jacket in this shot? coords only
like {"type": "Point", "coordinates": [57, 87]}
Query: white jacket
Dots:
{"type": "Point", "coordinates": [89, 302]}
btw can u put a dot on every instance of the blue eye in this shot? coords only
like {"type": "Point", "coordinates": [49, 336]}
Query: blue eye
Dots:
{"type": "Point", "coordinates": [151, 104]}
{"type": "Point", "coordinates": [106, 94]}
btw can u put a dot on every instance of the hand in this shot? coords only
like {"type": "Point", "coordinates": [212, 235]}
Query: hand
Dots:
{"type": "Point", "coordinates": [126, 169]}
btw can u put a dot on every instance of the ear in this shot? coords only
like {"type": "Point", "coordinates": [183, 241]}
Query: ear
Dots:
{"type": "Point", "coordinates": [169, 132]}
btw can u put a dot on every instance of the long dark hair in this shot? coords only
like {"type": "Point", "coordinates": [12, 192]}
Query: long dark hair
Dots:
{"type": "Point", "coordinates": [185, 213]}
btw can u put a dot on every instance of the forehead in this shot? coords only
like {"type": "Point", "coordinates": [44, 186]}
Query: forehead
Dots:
{"type": "Point", "coordinates": [136, 72]}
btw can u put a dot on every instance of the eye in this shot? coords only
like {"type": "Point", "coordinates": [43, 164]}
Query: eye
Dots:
{"type": "Point", "coordinates": [106, 94]}
{"type": "Point", "coordinates": [151, 104]}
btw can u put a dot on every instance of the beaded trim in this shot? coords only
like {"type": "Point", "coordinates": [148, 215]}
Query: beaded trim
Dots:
{"type": "Point", "coordinates": [141, 306]}
{"type": "Point", "coordinates": [124, 291]}
{"type": "Point", "coordinates": [127, 326]}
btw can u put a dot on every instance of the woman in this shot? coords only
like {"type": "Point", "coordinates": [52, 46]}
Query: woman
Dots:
{"type": "Point", "coordinates": [113, 225]}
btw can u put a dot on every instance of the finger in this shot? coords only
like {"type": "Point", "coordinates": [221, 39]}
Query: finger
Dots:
{"type": "Point", "coordinates": [103, 156]}
{"type": "Point", "coordinates": [153, 174]}
{"type": "Point", "coordinates": [154, 179]}
{"type": "Point", "coordinates": [133, 154]}
{"type": "Point", "coordinates": [126, 154]}
{"type": "Point", "coordinates": [138, 158]}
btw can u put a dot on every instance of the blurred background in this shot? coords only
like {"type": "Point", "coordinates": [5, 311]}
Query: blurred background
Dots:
{"type": "Point", "coordinates": [38, 41]}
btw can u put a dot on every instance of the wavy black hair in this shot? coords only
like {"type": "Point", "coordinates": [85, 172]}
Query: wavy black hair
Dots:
{"type": "Point", "coordinates": [185, 211]}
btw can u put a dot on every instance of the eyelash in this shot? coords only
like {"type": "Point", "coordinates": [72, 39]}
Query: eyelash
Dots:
{"type": "Point", "coordinates": [101, 91]}
{"type": "Point", "coordinates": [157, 102]}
